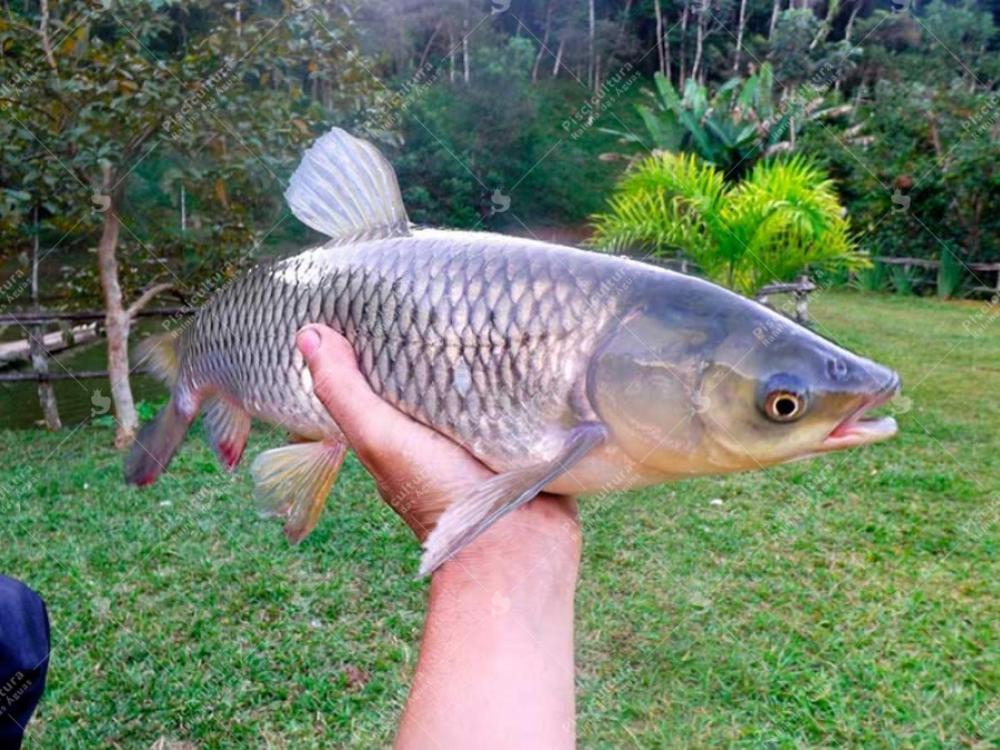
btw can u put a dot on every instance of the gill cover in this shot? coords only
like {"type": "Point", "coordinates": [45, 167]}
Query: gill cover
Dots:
{"type": "Point", "coordinates": [700, 380]}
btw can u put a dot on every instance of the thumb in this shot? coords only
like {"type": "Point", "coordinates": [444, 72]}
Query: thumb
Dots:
{"type": "Point", "coordinates": [343, 390]}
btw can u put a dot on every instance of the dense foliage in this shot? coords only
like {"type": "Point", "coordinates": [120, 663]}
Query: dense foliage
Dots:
{"type": "Point", "coordinates": [897, 101]}
{"type": "Point", "coordinates": [466, 151]}
{"type": "Point", "coordinates": [497, 114]}
{"type": "Point", "coordinates": [924, 183]}
{"type": "Point", "coordinates": [742, 122]}
{"type": "Point", "coordinates": [184, 116]}
{"type": "Point", "coordinates": [783, 219]}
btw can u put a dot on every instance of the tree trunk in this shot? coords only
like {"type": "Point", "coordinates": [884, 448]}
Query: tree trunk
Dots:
{"type": "Point", "coordinates": [427, 49]}
{"type": "Point", "coordinates": [625, 11]}
{"type": "Point", "coordinates": [850, 21]}
{"type": "Point", "coordinates": [466, 69]}
{"type": "Point", "coordinates": [591, 23]}
{"type": "Point", "coordinates": [43, 33]}
{"type": "Point", "coordinates": [116, 324]}
{"type": "Point", "coordinates": [39, 358]}
{"type": "Point", "coordinates": [545, 42]}
{"type": "Point", "coordinates": [740, 29]}
{"type": "Point", "coordinates": [685, 14]}
{"type": "Point", "coordinates": [559, 54]}
{"type": "Point", "coordinates": [699, 48]}
{"type": "Point", "coordinates": [775, 10]}
{"type": "Point", "coordinates": [832, 8]}
{"type": "Point", "coordinates": [597, 91]}
{"type": "Point", "coordinates": [451, 57]}
{"type": "Point", "coordinates": [666, 52]}
{"type": "Point", "coordinates": [658, 11]}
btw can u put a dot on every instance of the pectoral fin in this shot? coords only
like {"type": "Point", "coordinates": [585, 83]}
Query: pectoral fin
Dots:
{"type": "Point", "coordinates": [293, 482]}
{"type": "Point", "coordinates": [470, 516]}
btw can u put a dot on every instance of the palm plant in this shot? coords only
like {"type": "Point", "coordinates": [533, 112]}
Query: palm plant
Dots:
{"type": "Point", "coordinates": [779, 222]}
{"type": "Point", "coordinates": [743, 121]}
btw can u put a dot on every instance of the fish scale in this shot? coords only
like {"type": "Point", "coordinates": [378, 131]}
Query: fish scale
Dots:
{"type": "Point", "coordinates": [515, 324]}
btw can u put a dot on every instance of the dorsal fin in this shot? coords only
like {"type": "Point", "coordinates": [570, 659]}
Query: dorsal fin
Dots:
{"type": "Point", "coordinates": [347, 190]}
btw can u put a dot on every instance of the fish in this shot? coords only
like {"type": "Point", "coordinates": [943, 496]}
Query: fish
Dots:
{"type": "Point", "coordinates": [562, 370]}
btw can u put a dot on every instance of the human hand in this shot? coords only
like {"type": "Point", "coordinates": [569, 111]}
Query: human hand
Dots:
{"type": "Point", "coordinates": [496, 661]}
{"type": "Point", "coordinates": [419, 471]}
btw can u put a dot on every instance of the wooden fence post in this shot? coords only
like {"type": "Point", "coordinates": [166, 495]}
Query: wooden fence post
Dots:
{"type": "Point", "coordinates": [39, 357]}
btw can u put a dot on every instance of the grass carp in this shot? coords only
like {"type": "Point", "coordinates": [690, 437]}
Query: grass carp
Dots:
{"type": "Point", "coordinates": [560, 369]}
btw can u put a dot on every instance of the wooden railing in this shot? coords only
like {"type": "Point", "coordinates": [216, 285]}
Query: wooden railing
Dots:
{"type": "Point", "coordinates": [933, 265]}
{"type": "Point", "coordinates": [33, 323]}
{"type": "Point", "coordinates": [799, 289]}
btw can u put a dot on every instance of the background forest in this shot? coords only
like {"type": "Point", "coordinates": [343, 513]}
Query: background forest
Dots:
{"type": "Point", "coordinates": [515, 116]}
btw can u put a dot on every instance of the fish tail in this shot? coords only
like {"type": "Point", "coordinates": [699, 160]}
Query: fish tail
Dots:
{"type": "Point", "coordinates": [159, 353]}
{"type": "Point", "coordinates": [156, 444]}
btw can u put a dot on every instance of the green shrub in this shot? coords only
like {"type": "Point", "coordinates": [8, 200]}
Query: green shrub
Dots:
{"type": "Point", "coordinates": [467, 147]}
{"type": "Point", "coordinates": [904, 279]}
{"type": "Point", "coordinates": [950, 275]}
{"type": "Point", "coordinates": [741, 122]}
{"type": "Point", "coordinates": [781, 221]}
{"type": "Point", "coordinates": [871, 279]}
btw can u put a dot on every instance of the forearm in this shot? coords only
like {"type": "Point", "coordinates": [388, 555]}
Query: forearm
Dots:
{"type": "Point", "coordinates": [496, 661]}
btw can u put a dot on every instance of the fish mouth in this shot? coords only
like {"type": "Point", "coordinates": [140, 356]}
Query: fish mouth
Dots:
{"type": "Point", "coordinates": [856, 430]}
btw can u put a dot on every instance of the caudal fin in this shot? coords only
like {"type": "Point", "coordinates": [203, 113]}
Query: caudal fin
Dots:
{"type": "Point", "coordinates": [158, 354]}
{"type": "Point", "coordinates": [155, 445]}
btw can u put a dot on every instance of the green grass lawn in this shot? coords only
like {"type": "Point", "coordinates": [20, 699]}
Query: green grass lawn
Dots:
{"type": "Point", "coordinates": [851, 601]}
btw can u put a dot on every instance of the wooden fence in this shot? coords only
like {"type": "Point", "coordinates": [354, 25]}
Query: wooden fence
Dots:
{"type": "Point", "coordinates": [933, 265]}
{"type": "Point", "coordinates": [39, 350]}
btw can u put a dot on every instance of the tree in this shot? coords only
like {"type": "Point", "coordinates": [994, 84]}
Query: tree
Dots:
{"type": "Point", "coordinates": [231, 96]}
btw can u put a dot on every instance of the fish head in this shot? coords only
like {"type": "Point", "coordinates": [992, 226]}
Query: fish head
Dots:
{"type": "Point", "coordinates": [716, 383]}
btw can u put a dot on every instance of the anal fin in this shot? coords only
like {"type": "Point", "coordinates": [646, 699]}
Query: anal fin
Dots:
{"type": "Point", "coordinates": [227, 427]}
{"type": "Point", "coordinates": [488, 502]}
{"type": "Point", "coordinates": [294, 481]}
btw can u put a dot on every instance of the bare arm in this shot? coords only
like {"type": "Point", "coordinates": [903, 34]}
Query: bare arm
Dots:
{"type": "Point", "coordinates": [496, 659]}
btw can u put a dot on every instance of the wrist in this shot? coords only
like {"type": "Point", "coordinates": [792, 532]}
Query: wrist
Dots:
{"type": "Point", "coordinates": [497, 647]}
{"type": "Point", "coordinates": [526, 560]}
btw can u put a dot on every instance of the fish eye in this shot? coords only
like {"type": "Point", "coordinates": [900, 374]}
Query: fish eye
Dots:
{"type": "Point", "coordinates": [784, 406]}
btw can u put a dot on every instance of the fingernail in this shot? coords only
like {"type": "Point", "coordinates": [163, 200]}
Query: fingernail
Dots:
{"type": "Point", "coordinates": [308, 341]}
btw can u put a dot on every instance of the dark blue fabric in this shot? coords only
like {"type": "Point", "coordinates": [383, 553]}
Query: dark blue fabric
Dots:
{"type": "Point", "coordinates": [24, 658]}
